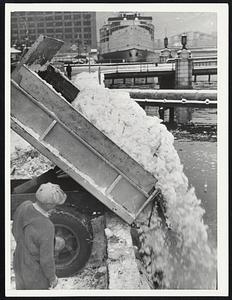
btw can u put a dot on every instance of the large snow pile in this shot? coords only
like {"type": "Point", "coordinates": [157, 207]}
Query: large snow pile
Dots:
{"type": "Point", "coordinates": [176, 258]}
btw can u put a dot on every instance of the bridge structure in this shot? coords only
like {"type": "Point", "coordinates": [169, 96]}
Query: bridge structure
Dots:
{"type": "Point", "coordinates": [152, 70]}
{"type": "Point", "coordinates": [166, 72]}
{"type": "Point", "coordinates": [199, 64]}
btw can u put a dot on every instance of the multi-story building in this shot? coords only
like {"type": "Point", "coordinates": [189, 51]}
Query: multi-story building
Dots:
{"type": "Point", "coordinates": [75, 28]}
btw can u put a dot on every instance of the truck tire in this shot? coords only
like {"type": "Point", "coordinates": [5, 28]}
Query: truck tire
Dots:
{"type": "Point", "coordinates": [73, 233]}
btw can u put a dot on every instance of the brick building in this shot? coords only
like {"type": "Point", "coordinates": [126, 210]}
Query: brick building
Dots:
{"type": "Point", "coordinates": [75, 28]}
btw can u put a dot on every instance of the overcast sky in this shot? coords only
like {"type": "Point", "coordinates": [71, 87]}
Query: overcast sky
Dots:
{"type": "Point", "coordinates": [172, 22]}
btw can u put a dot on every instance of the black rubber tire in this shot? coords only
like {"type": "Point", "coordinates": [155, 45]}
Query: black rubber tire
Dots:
{"type": "Point", "coordinates": [80, 228]}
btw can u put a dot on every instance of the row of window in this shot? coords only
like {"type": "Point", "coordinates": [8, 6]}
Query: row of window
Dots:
{"type": "Point", "coordinates": [41, 30]}
{"type": "Point", "coordinates": [32, 36]}
{"type": "Point", "coordinates": [52, 24]}
{"type": "Point", "coordinates": [51, 18]}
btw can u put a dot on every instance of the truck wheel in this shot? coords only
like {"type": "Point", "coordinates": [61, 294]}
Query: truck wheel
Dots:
{"type": "Point", "coordinates": [73, 233]}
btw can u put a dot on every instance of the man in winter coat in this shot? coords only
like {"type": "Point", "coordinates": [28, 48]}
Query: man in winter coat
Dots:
{"type": "Point", "coordinates": [69, 71]}
{"type": "Point", "coordinates": [34, 233]}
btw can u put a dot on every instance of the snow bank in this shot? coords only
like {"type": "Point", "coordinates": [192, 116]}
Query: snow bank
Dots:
{"type": "Point", "coordinates": [177, 258]}
{"type": "Point", "coordinates": [26, 161]}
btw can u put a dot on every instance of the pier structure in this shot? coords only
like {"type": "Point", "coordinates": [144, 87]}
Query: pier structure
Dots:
{"type": "Point", "coordinates": [183, 80]}
{"type": "Point", "coordinates": [183, 67]}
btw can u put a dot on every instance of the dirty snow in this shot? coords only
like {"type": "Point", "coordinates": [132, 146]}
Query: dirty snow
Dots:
{"type": "Point", "coordinates": [177, 258]}
{"type": "Point", "coordinates": [123, 269]}
{"type": "Point", "coordinates": [26, 161]}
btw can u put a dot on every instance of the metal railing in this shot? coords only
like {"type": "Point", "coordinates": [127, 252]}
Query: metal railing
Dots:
{"type": "Point", "coordinates": [205, 63]}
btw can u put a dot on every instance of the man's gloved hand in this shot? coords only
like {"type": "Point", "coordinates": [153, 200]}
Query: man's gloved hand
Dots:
{"type": "Point", "coordinates": [54, 283]}
{"type": "Point", "coordinates": [59, 243]}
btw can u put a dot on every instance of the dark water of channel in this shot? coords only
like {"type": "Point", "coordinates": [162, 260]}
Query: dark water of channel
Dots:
{"type": "Point", "coordinates": [197, 149]}
{"type": "Point", "coordinates": [198, 154]}
{"type": "Point", "coordinates": [200, 166]}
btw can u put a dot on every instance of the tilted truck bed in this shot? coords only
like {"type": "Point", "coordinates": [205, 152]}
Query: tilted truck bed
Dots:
{"type": "Point", "coordinates": [44, 118]}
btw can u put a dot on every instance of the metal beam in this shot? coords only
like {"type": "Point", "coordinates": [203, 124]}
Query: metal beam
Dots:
{"type": "Point", "coordinates": [197, 95]}
{"type": "Point", "coordinates": [141, 74]}
{"type": "Point", "coordinates": [175, 103]}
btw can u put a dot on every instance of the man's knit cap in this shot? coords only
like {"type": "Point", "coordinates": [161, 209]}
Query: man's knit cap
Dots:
{"type": "Point", "coordinates": [49, 193]}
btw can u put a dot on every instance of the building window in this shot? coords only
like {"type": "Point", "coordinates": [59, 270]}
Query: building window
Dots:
{"type": "Point", "coordinates": [77, 23]}
{"type": "Point", "coordinates": [68, 29]}
{"type": "Point", "coordinates": [86, 23]}
{"type": "Point", "coordinates": [77, 16]}
{"type": "Point", "coordinates": [21, 25]}
{"type": "Point", "coordinates": [68, 23]}
{"type": "Point", "coordinates": [87, 36]}
{"type": "Point", "coordinates": [59, 30]}
{"type": "Point", "coordinates": [87, 29]}
{"type": "Point", "coordinates": [40, 31]}
{"type": "Point", "coordinates": [58, 17]}
{"type": "Point", "coordinates": [31, 30]}
{"type": "Point", "coordinates": [40, 18]}
{"type": "Point", "coordinates": [68, 36]}
{"type": "Point", "coordinates": [49, 18]}
{"type": "Point", "coordinates": [58, 23]}
{"type": "Point", "coordinates": [87, 16]}
{"type": "Point", "coordinates": [50, 24]}
{"type": "Point", "coordinates": [50, 30]}
{"type": "Point", "coordinates": [78, 29]}
{"type": "Point", "coordinates": [31, 24]}
{"type": "Point", "coordinates": [67, 17]}
{"type": "Point", "coordinates": [40, 24]}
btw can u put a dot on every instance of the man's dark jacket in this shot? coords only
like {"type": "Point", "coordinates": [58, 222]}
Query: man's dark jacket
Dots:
{"type": "Point", "coordinates": [33, 263]}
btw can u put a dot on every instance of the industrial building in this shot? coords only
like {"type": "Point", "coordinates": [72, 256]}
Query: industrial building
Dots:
{"type": "Point", "coordinates": [75, 28]}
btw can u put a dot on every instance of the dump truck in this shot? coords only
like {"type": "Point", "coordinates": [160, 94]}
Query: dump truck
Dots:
{"type": "Point", "coordinates": [95, 173]}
